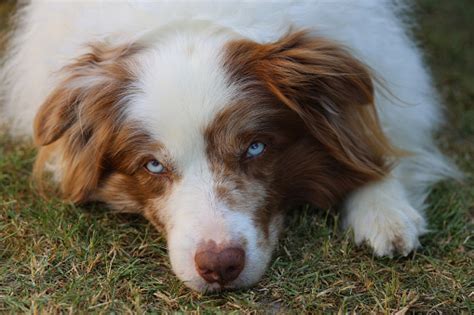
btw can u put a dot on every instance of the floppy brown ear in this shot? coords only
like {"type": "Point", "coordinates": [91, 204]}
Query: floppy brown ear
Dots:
{"type": "Point", "coordinates": [330, 90]}
{"type": "Point", "coordinates": [91, 82]}
{"type": "Point", "coordinates": [81, 115]}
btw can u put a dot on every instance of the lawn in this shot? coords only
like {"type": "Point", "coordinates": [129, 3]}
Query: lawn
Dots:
{"type": "Point", "coordinates": [58, 257]}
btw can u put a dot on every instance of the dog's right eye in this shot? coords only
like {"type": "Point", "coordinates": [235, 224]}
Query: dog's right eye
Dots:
{"type": "Point", "coordinates": [255, 149]}
{"type": "Point", "coordinates": [154, 167]}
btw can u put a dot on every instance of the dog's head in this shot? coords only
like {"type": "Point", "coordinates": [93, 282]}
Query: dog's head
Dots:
{"type": "Point", "coordinates": [212, 139]}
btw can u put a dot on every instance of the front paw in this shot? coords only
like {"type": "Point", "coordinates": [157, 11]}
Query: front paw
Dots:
{"type": "Point", "coordinates": [387, 230]}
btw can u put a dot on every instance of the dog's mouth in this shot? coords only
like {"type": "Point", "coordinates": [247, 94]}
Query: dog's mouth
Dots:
{"type": "Point", "coordinates": [204, 287]}
{"type": "Point", "coordinates": [215, 287]}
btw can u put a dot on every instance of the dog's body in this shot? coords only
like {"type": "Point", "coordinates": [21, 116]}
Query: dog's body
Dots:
{"type": "Point", "coordinates": [211, 118]}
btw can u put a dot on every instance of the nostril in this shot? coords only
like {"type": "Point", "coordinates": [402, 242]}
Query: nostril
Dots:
{"type": "Point", "coordinates": [220, 266]}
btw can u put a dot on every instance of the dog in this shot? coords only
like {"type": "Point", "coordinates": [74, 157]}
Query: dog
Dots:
{"type": "Point", "coordinates": [212, 119]}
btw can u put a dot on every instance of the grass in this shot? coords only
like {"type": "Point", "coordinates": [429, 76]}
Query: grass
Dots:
{"type": "Point", "coordinates": [58, 257]}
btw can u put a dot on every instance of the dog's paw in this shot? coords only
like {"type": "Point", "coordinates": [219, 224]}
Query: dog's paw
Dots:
{"type": "Point", "coordinates": [383, 218]}
{"type": "Point", "coordinates": [390, 231]}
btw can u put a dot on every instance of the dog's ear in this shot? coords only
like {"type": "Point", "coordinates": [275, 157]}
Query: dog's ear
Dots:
{"type": "Point", "coordinates": [330, 90]}
{"type": "Point", "coordinates": [91, 83]}
{"type": "Point", "coordinates": [79, 118]}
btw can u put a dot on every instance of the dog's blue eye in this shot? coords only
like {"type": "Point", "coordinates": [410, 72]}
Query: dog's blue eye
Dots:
{"type": "Point", "coordinates": [155, 167]}
{"type": "Point", "coordinates": [255, 149]}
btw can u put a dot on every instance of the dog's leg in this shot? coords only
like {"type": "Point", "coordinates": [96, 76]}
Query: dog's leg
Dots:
{"type": "Point", "coordinates": [381, 215]}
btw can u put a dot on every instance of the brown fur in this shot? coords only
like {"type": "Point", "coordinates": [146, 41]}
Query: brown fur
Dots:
{"type": "Point", "coordinates": [311, 102]}
{"type": "Point", "coordinates": [82, 124]}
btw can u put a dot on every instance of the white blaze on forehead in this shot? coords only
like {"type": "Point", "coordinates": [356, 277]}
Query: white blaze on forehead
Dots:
{"type": "Point", "coordinates": [183, 86]}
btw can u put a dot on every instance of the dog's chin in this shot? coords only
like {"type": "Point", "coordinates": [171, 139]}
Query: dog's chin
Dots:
{"type": "Point", "coordinates": [204, 287]}
{"type": "Point", "coordinates": [200, 285]}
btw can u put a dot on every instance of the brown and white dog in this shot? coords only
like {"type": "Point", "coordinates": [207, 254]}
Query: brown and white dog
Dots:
{"type": "Point", "coordinates": [212, 118]}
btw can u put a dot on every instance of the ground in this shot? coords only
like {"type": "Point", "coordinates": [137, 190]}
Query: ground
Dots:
{"type": "Point", "coordinates": [58, 257]}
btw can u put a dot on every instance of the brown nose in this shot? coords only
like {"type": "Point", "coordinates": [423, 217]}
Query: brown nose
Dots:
{"type": "Point", "coordinates": [220, 266]}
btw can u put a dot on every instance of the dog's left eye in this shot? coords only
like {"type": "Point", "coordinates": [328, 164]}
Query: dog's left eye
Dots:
{"type": "Point", "coordinates": [255, 149]}
{"type": "Point", "coordinates": [155, 167]}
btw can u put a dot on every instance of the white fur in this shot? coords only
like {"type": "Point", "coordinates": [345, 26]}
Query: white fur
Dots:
{"type": "Point", "coordinates": [381, 215]}
{"type": "Point", "coordinates": [181, 73]}
{"type": "Point", "coordinates": [183, 86]}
